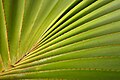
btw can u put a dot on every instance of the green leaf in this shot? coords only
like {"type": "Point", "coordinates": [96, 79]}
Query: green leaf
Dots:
{"type": "Point", "coordinates": [4, 52]}
{"type": "Point", "coordinates": [59, 39]}
{"type": "Point", "coordinates": [55, 13]}
{"type": "Point", "coordinates": [109, 39]}
{"type": "Point", "coordinates": [14, 10]}
{"type": "Point", "coordinates": [77, 16]}
{"type": "Point", "coordinates": [102, 64]}
{"type": "Point", "coordinates": [70, 74]}
{"type": "Point", "coordinates": [84, 19]}
{"type": "Point", "coordinates": [85, 53]}
{"type": "Point", "coordinates": [90, 25]}
{"type": "Point", "coordinates": [32, 9]}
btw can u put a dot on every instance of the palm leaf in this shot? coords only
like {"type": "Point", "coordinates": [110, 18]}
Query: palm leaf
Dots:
{"type": "Point", "coordinates": [59, 39]}
{"type": "Point", "coordinates": [4, 51]}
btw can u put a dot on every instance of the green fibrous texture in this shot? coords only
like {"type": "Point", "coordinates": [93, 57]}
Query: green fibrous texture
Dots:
{"type": "Point", "coordinates": [59, 39]}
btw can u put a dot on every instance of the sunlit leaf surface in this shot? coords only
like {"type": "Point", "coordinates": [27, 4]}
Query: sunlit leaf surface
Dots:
{"type": "Point", "coordinates": [59, 39]}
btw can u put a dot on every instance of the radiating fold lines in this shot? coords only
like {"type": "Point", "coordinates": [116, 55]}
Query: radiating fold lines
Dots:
{"type": "Point", "coordinates": [32, 9]}
{"type": "Point", "coordinates": [85, 63]}
{"type": "Point", "coordinates": [4, 50]}
{"type": "Point", "coordinates": [89, 34]}
{"type": "Point", "coordinates": [80, 14]}
{"type": "Point", "coordinates": [71, 13]}
{"type": "Point", "coordinates": [59, 38]}
{"type": "Point", "coordinates": [42, 15]}
{"type": "Point", "coordinates": [93, 15]}
{"type": "Point", "coordinates": [38, 20]}
{"type": "Point", "coordinates": [109, 39]}
{"type": "Point", "coordinates": [92, 24]}
{"type": "Point", "coordinates": [90, 52]}
{"type": "Point", "coordinates": [66, 63]}
{"type": "Point", "coordinates": [55, 13]}
{"type": "Point", "coordinates": [13, 13]}
{"type": "Point", "coordinates": [57, 5]}
{"type": "Point", "coordinates": [107, 29]}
